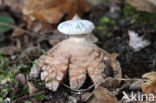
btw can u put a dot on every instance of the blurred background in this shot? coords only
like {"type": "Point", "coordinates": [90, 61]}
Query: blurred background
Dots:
{"type": "Point", "coordinates": [28, 29]}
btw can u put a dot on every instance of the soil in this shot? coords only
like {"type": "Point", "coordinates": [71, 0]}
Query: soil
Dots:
{"type": "Point", "coordinates": [133, 64]}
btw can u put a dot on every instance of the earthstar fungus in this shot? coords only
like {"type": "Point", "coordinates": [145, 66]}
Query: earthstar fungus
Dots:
{"type": "Point", "coordinates": [78, 56]}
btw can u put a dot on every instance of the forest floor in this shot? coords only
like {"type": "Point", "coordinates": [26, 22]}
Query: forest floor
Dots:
{"type": "Point", "coordinates": [18, 54]}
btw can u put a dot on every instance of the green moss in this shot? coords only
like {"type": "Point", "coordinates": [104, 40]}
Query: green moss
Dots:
{"type": "Point", "coordinates": [154, 26]}
{"type": "Point", "coordinates": [23, 68]}
{"type": "Point", "coordinates": [27, 102]}
{"type": "Point", "coordinates": [1, 100]}
{"type": "Point", "coordinates": [105, 35]}
{"type": "Point", "coordinates": [5, 74]}
{"type": "Point", "coordinates": [8, 72]}
{"type": "Point", "coordinates": [9, 69]}
{"type": "Point", "coordinates": [105, 21]}
{"type": "Point", "coordinates": [131, 15]}
{"type": "Point", "coordinates": [4, 62]}
{"type": "Point", "coordinates": [140, 16]}
{"type": "Point", "coordinates": [41, 97]}
{"type": "Point", "coordinates": [128, 11]}
{"type": "Point", "coordinates": [145, 17]}
{"type": "Point", "coordinates": [4, 94]}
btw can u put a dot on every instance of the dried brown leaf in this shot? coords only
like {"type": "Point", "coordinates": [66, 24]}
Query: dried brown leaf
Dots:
{"type": "Point", "coordinates": [54, 41]}
{"type": "Point", "coordinates": [149, 86]}
{"type": "Point", "coordinates": [115, 55]}
{"type": "Point", "coordinates": [53, 11]}
{"type": "Point", "coordinates": [109, 83]}
{"type": "Point", "coordinates": [10, 50]}
{"type": "Point", "coordinates": [16, 4]}
{"type": "Point", "coordinates": [33, 50]}
{"type": "Point", "coordinates": [85, 96]}
{"type": "Point", "coordinates": [4, 81]}
{"type": "Point", "coordinates": [18, 32]}
{"type": "Point", "coordinates": [32, 88]}
{"type": "Point", "coordinates": [144, 5]}
{"type": "Point", "coordinates": [102, 95]}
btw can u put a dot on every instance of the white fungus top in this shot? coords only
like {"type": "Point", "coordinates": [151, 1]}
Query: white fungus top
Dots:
{"type": "Point", "coordinates": [76, 26]}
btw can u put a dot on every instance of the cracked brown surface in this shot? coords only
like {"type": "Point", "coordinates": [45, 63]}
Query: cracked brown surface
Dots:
{"type": "Point", "coordinates": [78, 58]}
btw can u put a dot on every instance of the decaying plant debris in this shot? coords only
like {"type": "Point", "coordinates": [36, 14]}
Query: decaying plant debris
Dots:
{"type": "Point", "coordinates": [21, 46]}
{"type": "Point", "coordinates": [53, 11]}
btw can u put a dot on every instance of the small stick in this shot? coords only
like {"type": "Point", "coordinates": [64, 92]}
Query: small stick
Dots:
{"type": "Point", "coordinates": [122, 79]}
{"type": "Point", "coordinates": [32, 34]}
{"type": "Point", "coordinates": [15, 27]}
{"type": "Point", "coordinates": [81, 90]}
{"type": "Point", "coordinates": [27, 96]}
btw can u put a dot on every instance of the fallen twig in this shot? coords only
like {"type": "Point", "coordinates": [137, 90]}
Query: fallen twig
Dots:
{"type": "Point", "coordinates": [121, 79]}
{"type": "Point", "coordinates": [27, 96]}
{"type": "Point", "coordinates": [81, 90]}
{"type": "Point", "coordinates": [33, 34]}
{"type": "Point", "coordinates": [41, 36]}
{"type": "Point", "coordinates": [15, 27]}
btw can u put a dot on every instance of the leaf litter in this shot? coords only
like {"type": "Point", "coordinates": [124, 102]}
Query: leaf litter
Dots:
{"type": "Point", "coordinates": [113, 37]}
